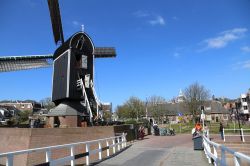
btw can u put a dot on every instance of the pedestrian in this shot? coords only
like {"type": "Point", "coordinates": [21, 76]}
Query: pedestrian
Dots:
{"type": "Point", "coordinates": [141, 132]}
{"type": "Point", "coordinates": [206, 130]}
{"type": "Point", "coordinates": [193, 132]}
{"type": "Point", "coordinates": [221, 131]}
{"type": "Point", "coordinates": [198, 128]}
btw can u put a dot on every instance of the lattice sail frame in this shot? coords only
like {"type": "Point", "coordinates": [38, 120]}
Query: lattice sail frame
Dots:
{"type": "Point", "coordinates": [15, 63]}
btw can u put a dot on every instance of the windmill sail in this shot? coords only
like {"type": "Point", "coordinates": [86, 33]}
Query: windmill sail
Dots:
{"type": "Point", "coordinates": [14, 63]}
{"type": "Point", "coordinates": [56, 20]}
{"type": "Point", "coordinates": [104, 52]}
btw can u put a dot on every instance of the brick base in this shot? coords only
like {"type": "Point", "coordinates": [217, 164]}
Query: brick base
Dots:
{"type": "Point", "coordinates": [13, 139]}
{"type": "Point", "coordinates": [64, 121]}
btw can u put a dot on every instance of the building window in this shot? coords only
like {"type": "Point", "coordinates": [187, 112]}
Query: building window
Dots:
{"type": "Point", "coordinates": [244, 99]}
{"type": "Point", "coordinates": [245, 107]}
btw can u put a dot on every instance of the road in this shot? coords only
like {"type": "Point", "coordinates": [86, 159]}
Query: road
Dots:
{"type": "Point", "coordinates": [159, 151]}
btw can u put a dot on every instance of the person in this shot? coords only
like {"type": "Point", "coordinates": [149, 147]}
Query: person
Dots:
{"type": "Point", "coordinates": [141, 132]}
{"type": "Point", "coordinates": [156, 129]}
{"type": "Point", "coordinates": [221, 131]}
{"type": "Point", "coordinates": [193, 132]}
{"type": "Point", "coordinates": [206, 130]}
{"type": "Point", "coordinates": [31, 122]}
{"type": "Point", "coordinates": [198, 127]}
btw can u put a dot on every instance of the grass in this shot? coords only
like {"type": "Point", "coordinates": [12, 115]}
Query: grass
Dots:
{"type": "Point", "coordinates": [213, 127]}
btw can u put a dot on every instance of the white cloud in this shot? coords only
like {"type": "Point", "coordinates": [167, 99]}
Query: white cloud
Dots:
{"type": "Point", "coordinates": [141, 13]}
{"type": "Point", "coordinates": [151, 18]}
{"type": "Point", "coordinates": [176, 55]}
{"type": "Point", "coordinates": [175, 18]}
{"type": "Point", "coordinates": [246, 64]}
{"type": "Point", "coordinates": [242, 65]}
{"type": "Point", "coordinates": [75, 23]}
{"type": "Point", "coordinates": [158, 20]}
{"type": "Point", "coordinates": [224, 38]}
{"type": "Point", "coordinates": [245, 49]}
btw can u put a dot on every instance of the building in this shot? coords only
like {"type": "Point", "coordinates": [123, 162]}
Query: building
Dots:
{"type": "Point", "coordinates": [244, 99]}
{"type": "Point", "coordinates": [23, 106]}
{"type": "Point", "coordinates": [181, 97]}
{"type": "Point", "coordinates": [244, 109]}
{"type": "Point", "coordinates": [216, 112]}
{"type": "Point", "coordinates": [178, 112]}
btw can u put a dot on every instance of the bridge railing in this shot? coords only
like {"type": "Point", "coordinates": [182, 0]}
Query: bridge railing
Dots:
{"type": "Point", "coordinates": [242, 133]}
{"type": "Point", "coordinates": [212, 149]}
{"type": "Point", "coordinates": [118, 142]}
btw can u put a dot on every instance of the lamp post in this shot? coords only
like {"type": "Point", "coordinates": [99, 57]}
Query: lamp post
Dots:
{"type": "Point", "coordinates": [237, 106]}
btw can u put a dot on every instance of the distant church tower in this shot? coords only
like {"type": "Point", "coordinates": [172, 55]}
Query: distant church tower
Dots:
{"type": "Point", "coordinates": [181, 97]}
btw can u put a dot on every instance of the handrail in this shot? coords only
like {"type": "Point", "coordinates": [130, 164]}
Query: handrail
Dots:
{"type": "Point", "coordinates": [242, 135]}
{"type": "Point", "coordinates": [86, 100]}
{"type": "Point", "coordinates": [48, 150]}
{"type": "Point", "coordinates": [222, 160]}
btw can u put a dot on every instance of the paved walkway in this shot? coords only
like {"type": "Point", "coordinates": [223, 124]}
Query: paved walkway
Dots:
{"type": "Point", "coordinates": [159, 151]}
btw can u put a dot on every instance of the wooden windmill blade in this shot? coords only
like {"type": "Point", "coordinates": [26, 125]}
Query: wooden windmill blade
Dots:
{"type": "Point", "coordinates": [15, 63]}
{"type": "Point", "coordinates": [104, 52]}
{"type": "Point", "coordinates": [56, 20]}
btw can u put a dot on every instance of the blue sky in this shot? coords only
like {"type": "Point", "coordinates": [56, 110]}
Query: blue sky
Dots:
{"type": "Point", "coordinates": [162, 46]}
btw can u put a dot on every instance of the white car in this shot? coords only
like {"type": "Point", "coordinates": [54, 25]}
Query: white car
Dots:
{"type": "Point", "coordinates": [4, 116]}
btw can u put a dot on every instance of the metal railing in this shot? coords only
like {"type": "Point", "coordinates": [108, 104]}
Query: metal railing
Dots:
{"type": "Point", "coordinates": [118, 142]}
{"type": "Point", "coordinates": [81, 86]}
{"type": "Point", "coordinates": [242, 135]}
{"type": "Point", "coordinates": [211, 150]}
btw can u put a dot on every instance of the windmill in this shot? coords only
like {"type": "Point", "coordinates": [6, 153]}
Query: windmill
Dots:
{"type": "Point", "coordinates": [73, 73]}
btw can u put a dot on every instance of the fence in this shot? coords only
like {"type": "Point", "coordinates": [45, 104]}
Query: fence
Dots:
{"type": "Point", "coordinates": [118, 142]}
{"type": "Point", "coordinates": [242, 135]}
{"type": "Point", "coordinates": [211, 150]}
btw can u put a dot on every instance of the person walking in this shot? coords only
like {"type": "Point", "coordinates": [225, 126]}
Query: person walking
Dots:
{"type": "Point", "coordinates": [221, 131]}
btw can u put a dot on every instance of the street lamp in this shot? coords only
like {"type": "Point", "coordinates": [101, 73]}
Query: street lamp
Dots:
{"type": "Point", "coordinates": [237, 106]}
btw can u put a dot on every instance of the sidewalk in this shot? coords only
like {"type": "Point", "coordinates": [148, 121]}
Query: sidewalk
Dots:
{"type": "Point", "coordinates": [159, 151]}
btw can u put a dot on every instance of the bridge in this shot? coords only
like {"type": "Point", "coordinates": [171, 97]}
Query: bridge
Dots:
{"type": "Point", "coordinates": [160, 151]}
{"type": "Point", "coordinates": [151, 151]}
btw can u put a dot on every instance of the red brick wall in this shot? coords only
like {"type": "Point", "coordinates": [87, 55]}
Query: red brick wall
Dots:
{"type": "Point", "coordinates": [13, 139]}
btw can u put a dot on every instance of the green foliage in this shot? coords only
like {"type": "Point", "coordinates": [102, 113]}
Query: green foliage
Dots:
{"type": "Point", "coordinates": [133, 108]}
{"type": "Point", "coordinates": [131, 121]}
{"type": "Point", "coordinates": [155, 107]}
{"type": "Point", "coordinates": [24, 116]}
{"type": "Point", "coordinates": [107, 115]}
{"type": "Point", "coordinates": [47, 103]}
{"type": "Point", "coordinates": [145, 122]}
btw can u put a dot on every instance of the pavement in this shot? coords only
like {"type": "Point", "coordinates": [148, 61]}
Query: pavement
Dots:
{"type": "Point", "coordinates": [159, 151]}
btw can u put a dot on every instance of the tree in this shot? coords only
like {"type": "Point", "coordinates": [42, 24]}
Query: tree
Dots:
{"type": "Point", "coordinates": [155, 107]}
{"type": "Point", "coordinates": [195, 95]}
{"type": "Point", "coordinates": [24, 116]}
{"type": "Point", "coordinates": [107, 115]}
{"type": "Point", "coordinates": [47, 103]}
{"type": "Point", "coordinates": [132, 108]}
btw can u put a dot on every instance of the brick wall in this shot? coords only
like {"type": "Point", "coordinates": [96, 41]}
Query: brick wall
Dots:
{"type": "Point", "coordinates": [13, 139]}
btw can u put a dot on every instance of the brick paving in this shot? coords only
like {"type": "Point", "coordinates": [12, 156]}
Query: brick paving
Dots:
{"type": "Point", "coordinates": [159, 151]}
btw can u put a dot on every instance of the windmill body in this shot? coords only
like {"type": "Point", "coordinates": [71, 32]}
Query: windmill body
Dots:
{"type": "Point", "coordinates": [73, 89]}
{"type": "Point", "coordinates": [73, 82]}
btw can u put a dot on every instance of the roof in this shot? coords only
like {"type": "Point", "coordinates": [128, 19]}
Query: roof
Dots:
{"type": "Point", "coordinates": [215, 108]}
{"type": "Point", "coordinates": [174, 109]}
